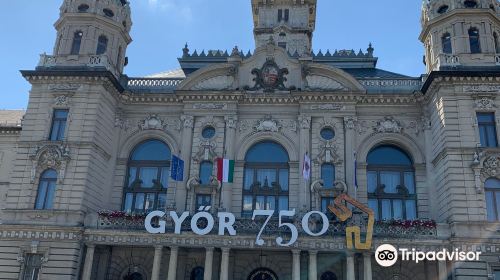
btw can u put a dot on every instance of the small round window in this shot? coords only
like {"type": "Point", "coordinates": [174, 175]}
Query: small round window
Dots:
{"type": "Point", "coordinates": [443, 9]}
{"type": "Point", "coordinates": [83, 8]}
{"type": "Point", "coordinates": [208, 132]}
{"type": "Point", "coordinates": [470, 3]}
{"type": "Point", "coordinates": [108, 13]}
{"type": "Point", "coordinates": [327, 133]}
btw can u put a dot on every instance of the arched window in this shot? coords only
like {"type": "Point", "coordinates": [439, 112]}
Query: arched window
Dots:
{"type": "Point", "coordinates": [328, 276]}
{"type": "Point", "coordinates": [77, 42]}
{"type": "Point", "coordinates": [147, 177]}
{"type": "Point", "coordinates": [206, 169]}
{"type": "Point", "coordinates": [492, 190]}
{"type": "Point", "coordinates": [470, 3]}
{"type": "Point", "coordinates": [446, 43]}
{"type": "Point", "coordinates": [443, 9]}
{"type": "Point", "coordinates": [328, 175]}
{"type": "Point", "coordinates": [391, 184]}
{"type": "Point", "coordinates": [495, 39]}
{"type": "Point", "coordinates": [102, 45]}
{"type": "Point", "coordinates": [266, 178]}
{"type": "Point", "coordinates": [46, 190]}
{"type": "Point", "coordinates": [197, 273]}
{"type": "Point", "coordinates": [475, 44]}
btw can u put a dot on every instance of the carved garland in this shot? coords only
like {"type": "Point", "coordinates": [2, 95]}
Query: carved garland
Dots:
{"type": "Point", "coordinates": [50, 157]}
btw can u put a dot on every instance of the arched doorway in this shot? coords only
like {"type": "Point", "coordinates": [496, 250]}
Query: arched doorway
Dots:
{"type": "Point", "coordinates": [134, 276]}
{"type": "Point", "coordinates": [262, 274]}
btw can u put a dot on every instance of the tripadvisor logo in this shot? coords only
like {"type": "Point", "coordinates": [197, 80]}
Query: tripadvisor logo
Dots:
{"type": "Point", "coordinates": [387, 255]}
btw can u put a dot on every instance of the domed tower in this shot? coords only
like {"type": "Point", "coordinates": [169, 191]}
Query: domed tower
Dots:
{"type": "Point", "coordinates": [92, 33]}
{"type": "Point", "coordinates": [460, 33]}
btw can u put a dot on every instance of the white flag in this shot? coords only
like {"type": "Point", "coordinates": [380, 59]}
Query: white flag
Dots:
{"type": "Point", "coordinates": [306, 168]}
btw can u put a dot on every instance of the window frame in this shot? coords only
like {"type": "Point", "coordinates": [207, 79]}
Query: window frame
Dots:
{"type": "Point", "coordinates": [485, 142]}
{"type": "Point", "coordinates": [210, 174]}
{"type": "Point", "coordinates": [61, 135]}
{"type": "Point", "coordinates": [496, 203]}
{"type": "Point", "coordinates": [29, 268]}
{"type": "Point", "coordinates": [474, 40]}
{"type": "Point", "coordinates": [333, 175]}
{"type": "Point", "coordinates": [49, 186]}
{"type": "Point", "coordinates": [446, 45]}
{"type": "Point", "coordinates": [102, 45]}
{"type": "Point", "coordinates": [496, 42]}
{"type": "Point", "coordinates": [76, 44]}
{"type": "Point", "coordinates": [134, 188]}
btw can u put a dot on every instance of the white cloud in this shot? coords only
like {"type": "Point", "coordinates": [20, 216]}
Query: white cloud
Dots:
{"type": "Point", "coordinates": [177, 8]}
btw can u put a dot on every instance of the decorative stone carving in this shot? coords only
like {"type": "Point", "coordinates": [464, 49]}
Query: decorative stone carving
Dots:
{"type": "Point", "coordinates": [122, 123]}
{"type": "Point", "coordinates": [270, 77]}
{"type": "Point", "coordinates": [206, 151]}
{"type": "Point", "coordinates": [210, 106]}
{"type": "Point", "coordinates": [328, 153]}
{"type": "Point", "coordinates": [188, 121]}
{"type": "Point", "coordinates": [231, 121]}
{"type": "Point", "coordinates": [268, 124]}
{"type": "Point", "coordinates": [305, 122]}
{"type": "Point", "coordinates": [61, 100]}
{"type": "Point", "coordinates": [291, 125]}
{"type": "Point", "coordinates": [316, 82]}
{"type": "Point", "coordinates": [485, 103]}
{"type": "Point", "coordinates": [49, 157]}
{"type": "Point", "coordinates": [350, 122]}
{"type": "Point", "coordinates": [482, 89]}
{"type": "Point", "coordinates": [491, 166]}
{"type": "Point", "coordinates": [215, 83]}
{"type": "Point", "coordinates": [152, 122]}
{"type": "Point", "coordinates": [331, 107]}
{"type": "Point", "coordinates": [64, 87]}
{"type": "Point", "coordinates": [388, 125]}
{"type": "Point", "coordinates": [244, 125]}
{"type": "Point", "coordinates": [208, 121]}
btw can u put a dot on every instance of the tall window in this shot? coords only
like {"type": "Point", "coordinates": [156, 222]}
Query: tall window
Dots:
{"type": "Point", "coordinates": [280, 15]}
{"type": "Point", "coordinates": [147, 181]}
{"type": "Point", "coordinates": [32, 266]}
{"type": "Point", "coordinates": [197, 273]}
{"type": "Point", "coordinates": [475, 44]}
{"type": "Point", "coordinates": [328, 175]}
{"type": "Point", "coordinates": [46, 190]}
{"type": "Point", "coordinates": [77, 42]}
{"type": "Point", "coordinates": [119, 57]}
{"type": "Point", "coordinates": [203, 200]}
{"type": "Point", "coordinates": [59, 120]}
{"type": "Point", "coordinates": [328, 276]}
{"type": "Point", "coordinates": [266, 178]}
{"type": "Point", "coordinates": [391, 184]}
{"type": "Point", "coordinates": [446, 41]}
{"type": "Point", "coordinates": [287, 15]}
{"type": "Point", "coordinates": [206, 169]}
{"type": "Point", "coordinates": [102, 45]}
{"type": "Point", "coordinates": [497, 274]}
{"type": "Point", "coordinates": [487, 129]}
{"type": "Point", "coordinates": [497, 46]}
{"type": "Point", "coordinates": [492, 190]}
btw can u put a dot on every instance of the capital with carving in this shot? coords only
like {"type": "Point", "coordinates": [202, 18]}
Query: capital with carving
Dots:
{"type": "Point", "coordinates": [231, 121]}
{"type": "Point", "coordinates": [305, 122]}
{"type": "Point", "coordinates": [188, 121]}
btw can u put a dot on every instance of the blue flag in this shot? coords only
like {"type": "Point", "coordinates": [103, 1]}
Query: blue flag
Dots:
{"type": "Point", "coordinates": [177, 170]}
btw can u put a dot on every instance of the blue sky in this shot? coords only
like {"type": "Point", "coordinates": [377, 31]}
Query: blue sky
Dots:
{"type": "Point", "coordinates": [161, 27]}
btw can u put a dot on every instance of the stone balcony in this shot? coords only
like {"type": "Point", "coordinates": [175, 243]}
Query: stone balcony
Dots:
{"type": "Point", "coordinates": [446, 61]}
{"type": "Point", "coordinates": [97, 62]}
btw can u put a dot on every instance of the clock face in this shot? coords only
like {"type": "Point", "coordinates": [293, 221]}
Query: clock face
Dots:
{"type": "Point", "coordinates": [270, 76]}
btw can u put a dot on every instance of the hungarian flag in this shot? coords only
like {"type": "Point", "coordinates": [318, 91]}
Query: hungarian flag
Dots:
{"type": "Point", "coordinates": [225, 170]}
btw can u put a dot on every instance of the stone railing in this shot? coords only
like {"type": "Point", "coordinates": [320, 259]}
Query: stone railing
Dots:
{"type": "Point", "coordinates": [92, 61]}
{"type": "Point", "coordinates": [246, 226]}
{"type": "Point", "coordinates": [392, 85]}
{"type": "Point", "coordinates": [153, 84]}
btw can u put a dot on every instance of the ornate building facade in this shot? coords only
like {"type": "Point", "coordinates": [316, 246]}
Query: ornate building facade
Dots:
{"type": "Point", "coordinates": [94, 152]}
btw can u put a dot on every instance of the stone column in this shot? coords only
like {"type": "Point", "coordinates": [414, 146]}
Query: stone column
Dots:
{"type": "Point", "coordinates": [155, 274]}
{"type": "Point", "coordinates": [209, 261]}
{"type": "Point", "coordinates": [304, 147]}
{"type": "Point", "coordinates": [350, 141]}
{"type": "Point", "coordinates": [172, 264]}
{"type": "Point", "coordinates": [442, 270]}
{"type": "Point", "coordinates": [227, 188]}
{"type": "Point", "coordinates": [296, 265]}
{"type": "Point", "coordinates": [367, 270]}
{"type": "Point", "coordinates": [313, 265]}
{"type": "Point", "coordinates": [224, 266]}
{"type": "Point", "coordinates": [350, 266]}
{"type": "Point", "coordinates": [187, 123]}
{"type": "Point", "coordinates": [89, 260]}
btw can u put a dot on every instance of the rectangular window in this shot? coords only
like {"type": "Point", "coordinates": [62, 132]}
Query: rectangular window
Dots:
{"type": "Point", "coordinates": [32, 265]}
{"type": "Point", "coordinates": [203, 200]}
{"type": "Point", "coordinates": [325, 202]}
{"type": "Point", "coordinates": [280, 15]}
{"type": "Point", "coordinates": [287, 14]}
{"type": "Point", "coordinates": [497, 275]}
{"type": "Point", "coordinates": [59, 120]}
{"type": "Point", "coordinates": [487, 129]}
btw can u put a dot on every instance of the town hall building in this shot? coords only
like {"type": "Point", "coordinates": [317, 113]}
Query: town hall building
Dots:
{"type": "Point", "coordinates": [281, 129]}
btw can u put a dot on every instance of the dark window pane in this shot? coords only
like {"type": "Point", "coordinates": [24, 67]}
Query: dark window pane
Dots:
{"type": "Point", "coordinates": [328, 175]}
{"type": "Point", "coordinates": [327, 133]}
{"type": "Point", "coordinates": [287, 14]}
{"type": "Point", "coordinates": [152, 150]}
{"type": "Point", "coordinates": [165, 174]}
{"type": "Point", "coordinates": [284, 179]}
{"type": "Point", "coordinates": [127, 206]}
{"type": "Point", "coordinates": [59, 119]}
{"type": "Point", "coordinates": [397, 205]}
{"type": "Point", "coordinates": [325, 202]}
{"type": "Point", "coordinates": [208, 132]}
{"type": "Point", "coordinates": [42, 194]}
{"type": "Point", "coordinates": [267, 152]}
{"type": "Point", "coordinates": [46, 190]}
{"type": "Point", "coordinates": [32, 265]}
{"type": "Point", "coordinates": [372, 181]}
{"type": "Point", "coordinates": [410, 182]}
{"type": "Point", "coordinates": [388, 155]}
{"type": "Point", "coordinates": [475, 45]}
{"type": "Point", "coordinates": [443, 9]}
{"type": "Point", "coordinates": [249, 173]}
{"type": "Point", "coordinates": [497, 274]}
{"type": "Point", "coordinates": [162, 201]}
{"type": "Point", "coordinates": [280, 15]}
{"type": "Point", "coordinates": [247, 203]}
{"type": "Point", "coordinates": [77, 41]}
{"type": "Point", "coordinates": [203, 200]}
{"type": "Point", "coordinates": [492, 183]}
{"type": "Point", "coordinates": [283, 203]}
{"type": "Point", "coordinates": [390, 180]}
{"type": "Point", "coordinates": [266, 177]}
{"type": "Point", "coordinates": [102, 45]}
{"type": "Point", "coordinates": [487, 129]}
{"type": "Point", "coordinates": [148, 177]}
{"type": "Point", "coordinates": [150, 202]}
{"type": "Point", "coordinates": [490, 206]}
{"type": "Point", "coordinates": [446, 41]}
{"type": "Point", "coordinates": [205, 172]}
{"type": "Point", "coordinates": [373, 204]}
{"type": "Point", "coordinates": [386, 209]}
{"type": "Point", "coordinates": [411, 210]}
{"type": "Point", "coordinates": [139, 202]}
{"type": "Point", "coordinates": [271, 203]}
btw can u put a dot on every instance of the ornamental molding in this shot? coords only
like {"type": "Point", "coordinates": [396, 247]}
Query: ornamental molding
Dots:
{"type": "Point", "coordinates": [325, 122]}
{"type": "Point", "coordinates": [491, 166]}
{"type": "Point", "coordinates": [388, 125]}
{"type": "Point", "coordinates": [223, 82]}
{"type": "Point", "coordinates": [152, 122]}
{"type": "Point", "coordinates": [49, 156]}
{"type": "Point", "coordinates": [206, 152]}
{"type": "Point", "coordinates": [322, 83]}
{"type": "Point", "coordinates": [64, 87]}
{"type": "Point", "coordinates": [62, 100]}
{"type": "Point", "coordinates": [231, 121]}
{"type": "Point", "coordinates": [209, 121]}
{"type": "Point", "coordinates": [328, 107]}
{"type": "Point", "coordinates": [328, 153]}
{"type": "Point", "coordinates": [485, 103]}
{"type": "Point", "coordinates": [187, 121]}
{"type": "Point", "coordinates": [269, 77]}
{"type": "Point", "coordinates": [210, 106]}
{"type": "Point", "coordinates": [351, 122]}
{"type": "Point", "coordinates": [268, 124]}
{"type": "Point", "coordinates": [481, 89]}
{"type": "Point", "coordinates": [305, 122]}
